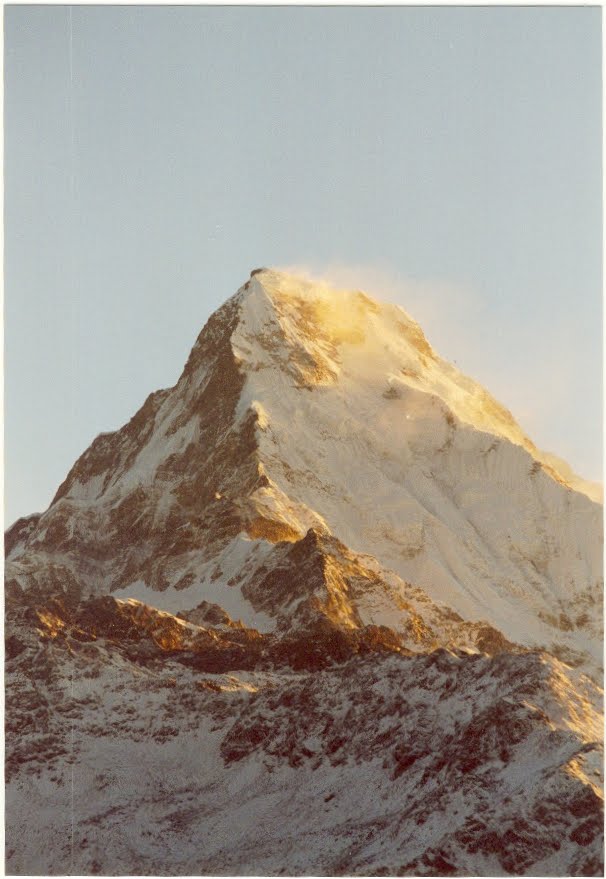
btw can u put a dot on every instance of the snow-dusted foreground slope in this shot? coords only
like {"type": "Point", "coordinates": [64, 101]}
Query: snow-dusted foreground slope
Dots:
{"type": "Point", "coordinates": [127, 756]}
{"type": "Point", "coordinates": [410, 685]}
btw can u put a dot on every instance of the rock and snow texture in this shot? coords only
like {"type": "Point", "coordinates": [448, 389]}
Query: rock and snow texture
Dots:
{"type": "Point", "coordinates": [324, 586]}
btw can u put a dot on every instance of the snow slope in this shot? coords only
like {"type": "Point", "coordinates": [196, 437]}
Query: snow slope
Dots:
{"type": "Point", "coordinates": [126, 760]}
{"type": "Point", "coordinates": [404, 458]}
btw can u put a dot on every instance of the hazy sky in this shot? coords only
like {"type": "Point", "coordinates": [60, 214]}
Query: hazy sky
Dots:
{"type": "Point", "coordinates": [448, 159]}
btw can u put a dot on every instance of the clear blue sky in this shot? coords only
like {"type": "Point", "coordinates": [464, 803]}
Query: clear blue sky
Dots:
{"type": "Point", "coordinates": [449, 157]}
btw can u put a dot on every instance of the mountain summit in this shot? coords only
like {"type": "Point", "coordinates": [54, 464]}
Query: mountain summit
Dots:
{"type": "Point", "coordinates": [319, 493]}
{"type": "Point", "coordinates": [305, 407]}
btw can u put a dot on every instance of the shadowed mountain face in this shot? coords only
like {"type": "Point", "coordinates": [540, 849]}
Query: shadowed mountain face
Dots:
{"type": "Point", "coordinates": [321, 607]}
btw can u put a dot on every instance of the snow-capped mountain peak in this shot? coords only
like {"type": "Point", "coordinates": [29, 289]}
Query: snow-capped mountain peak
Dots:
{"type": "Point", "coordinates": [324, 547]}
{"type": "Point", "coordinates": [306, 407]}
{"type": "Point", "coordinates": [325, 333]}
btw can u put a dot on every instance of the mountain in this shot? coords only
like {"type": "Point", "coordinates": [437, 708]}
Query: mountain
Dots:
{"type": "Point", "coordinates": [330, 597]}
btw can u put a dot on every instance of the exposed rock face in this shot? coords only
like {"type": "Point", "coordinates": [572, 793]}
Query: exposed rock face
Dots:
{"type": "Point", "coordinates": [140, 500]}
{"type": "Point", "coordinates": [319, 608]}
